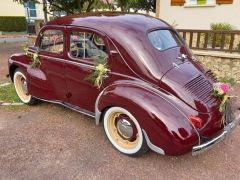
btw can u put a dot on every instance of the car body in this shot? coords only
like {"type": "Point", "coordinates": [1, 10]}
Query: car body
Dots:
{"type": "Point", "coordinates": [153, 79]}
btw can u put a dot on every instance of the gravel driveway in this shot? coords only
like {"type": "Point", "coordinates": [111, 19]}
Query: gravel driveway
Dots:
{"type": "Point", "coordinates": [51, 142]}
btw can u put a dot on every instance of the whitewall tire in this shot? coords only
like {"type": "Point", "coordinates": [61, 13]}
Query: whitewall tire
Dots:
{"type": "Point", "coordinates": [124, 131]}
{"type": "Point", "coordinates": [20, 84]}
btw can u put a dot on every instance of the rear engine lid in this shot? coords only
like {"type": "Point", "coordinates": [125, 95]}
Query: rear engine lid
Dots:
{"type": "Point", "coordinates": [193, 87]}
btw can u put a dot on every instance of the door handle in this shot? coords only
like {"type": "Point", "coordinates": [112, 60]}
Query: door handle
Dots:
{"type": "Point", "coordinates": [106, 76]}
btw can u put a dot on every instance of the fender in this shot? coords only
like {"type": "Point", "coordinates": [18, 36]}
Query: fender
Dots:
{"type": "Point", "coordinates": [38, 82]}
{"type": "Point", "coordinates": [18, 61]}
{"type": "Point", "coordinates": [163, 123]}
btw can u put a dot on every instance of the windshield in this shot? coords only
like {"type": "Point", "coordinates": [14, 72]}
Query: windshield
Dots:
{"type": "Point", "coordinates": [164, 39]}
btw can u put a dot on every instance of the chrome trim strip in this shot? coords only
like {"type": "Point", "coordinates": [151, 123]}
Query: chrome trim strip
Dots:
{"type": "Point", "coordinates": [152, 146]}
{"type": "Point", "coordinates": [97, 111]}
{"type": "Point", "coordinates": [65, 105]}
{"type": "Point", "coordinates": [205, 146]}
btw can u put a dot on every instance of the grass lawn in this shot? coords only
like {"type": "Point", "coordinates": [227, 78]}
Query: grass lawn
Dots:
{"type": "Point", "coordinates": [8, 94]}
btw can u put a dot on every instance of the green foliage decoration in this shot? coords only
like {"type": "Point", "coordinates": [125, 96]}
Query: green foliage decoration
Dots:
{"type": "Point", "coordinates": [99, 72]}
{"type": "Point", "coordinates": [34, 57]}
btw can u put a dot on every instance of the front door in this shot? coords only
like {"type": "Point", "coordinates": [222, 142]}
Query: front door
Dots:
{"type": "Point", "coordinates": [48, 81]}
{"type": "Point", "coordinates": [84, 48]}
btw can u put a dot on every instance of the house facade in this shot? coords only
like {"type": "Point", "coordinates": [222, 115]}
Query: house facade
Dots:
{"type": "Point", "coordinates": [199, 14]}
{"type": "Point", "coordinates": [30, 10]}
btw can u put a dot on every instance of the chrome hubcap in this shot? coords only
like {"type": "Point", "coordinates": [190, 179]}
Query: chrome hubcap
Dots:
{"type": "Point", "coordinates": [125, 128]}
{"type": "Point", "coordinates": [24, 86]}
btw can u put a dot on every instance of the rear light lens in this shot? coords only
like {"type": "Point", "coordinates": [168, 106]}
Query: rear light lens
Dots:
{"type": "Point", "coordinates": [196, 121]}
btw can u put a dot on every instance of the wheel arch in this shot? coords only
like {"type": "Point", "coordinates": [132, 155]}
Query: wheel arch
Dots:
{"type": "Point", "coordinates": [12, 69]}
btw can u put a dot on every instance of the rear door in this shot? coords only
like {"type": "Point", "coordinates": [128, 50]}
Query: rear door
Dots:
{"type": "Point", "coordinates": [84, 46]}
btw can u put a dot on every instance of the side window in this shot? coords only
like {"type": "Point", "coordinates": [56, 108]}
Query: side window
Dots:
{"type": "Point", "coordinates": [86, 45]}
{"type": "Point", "coordinates": [52, 41]}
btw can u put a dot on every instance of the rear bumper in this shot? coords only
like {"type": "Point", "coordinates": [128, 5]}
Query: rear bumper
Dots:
{"type": "Point", "coordinates": [228, 128]}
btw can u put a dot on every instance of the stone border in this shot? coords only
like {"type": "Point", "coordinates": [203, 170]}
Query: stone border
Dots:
{"type": "Point", "coordinates": [5, 84]}
{"type": "Point", "coordinates": [10, 104]}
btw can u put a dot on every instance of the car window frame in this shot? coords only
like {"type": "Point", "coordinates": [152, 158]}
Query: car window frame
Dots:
{"type": "Point", "coordinates": [86, 30]}
{"type": "Point", "coordinates": [169, 29]}
{"type": "Point", "coordinates": [39, 39]}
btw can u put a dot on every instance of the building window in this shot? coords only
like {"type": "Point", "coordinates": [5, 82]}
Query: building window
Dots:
{"type": "Point", "coordinates": [31, 9]}
{"type": "Point", "coordinates": [200, 2]}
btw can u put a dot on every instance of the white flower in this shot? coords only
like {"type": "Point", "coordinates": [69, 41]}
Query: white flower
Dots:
{"type": "Point", "coordinates": [216, 86]}
{"type": "Point", "coordinates": [220, 92]}
{"type": "Point", "coordinates": [101, 68]}
{"type": "Point", "coordinates": [35, 56]}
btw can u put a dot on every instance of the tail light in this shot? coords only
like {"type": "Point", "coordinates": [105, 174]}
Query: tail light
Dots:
{"type": "Point", "coordinates": [196, 121]}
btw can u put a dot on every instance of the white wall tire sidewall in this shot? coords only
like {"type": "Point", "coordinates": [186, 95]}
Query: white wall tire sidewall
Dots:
{"type": "Point", "coordinates": [17, 73]}
{"type": "Point", "coordinates": [140, 134]}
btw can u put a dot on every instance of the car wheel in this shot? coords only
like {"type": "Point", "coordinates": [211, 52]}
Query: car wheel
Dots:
{"type": "Point", "coordinates": [20, 84]}
{"type": "Point", "coordinates": [124, 131]}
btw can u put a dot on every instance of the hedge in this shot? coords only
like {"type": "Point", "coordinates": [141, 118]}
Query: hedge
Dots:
{"type": "Point", "coordinates": [12, 23]}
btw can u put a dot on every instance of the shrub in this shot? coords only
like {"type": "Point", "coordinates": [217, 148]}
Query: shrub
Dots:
{"type": "Point", "coordinates": [238, 47]}
{"type": "Point", "coordinates": [12, 23]}
{"type": "Point", "coordinates": [217, 27]}
{"type": "Point", "coordinates": [201, 2]}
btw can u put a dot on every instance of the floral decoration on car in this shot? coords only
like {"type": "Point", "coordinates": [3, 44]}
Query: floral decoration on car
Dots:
{"type": "Point", "coordinates": [34, 57]}
{"type": "Point", "coordinates": [221, 90]}
{"type": "Point", "coordinates": [99, 72]}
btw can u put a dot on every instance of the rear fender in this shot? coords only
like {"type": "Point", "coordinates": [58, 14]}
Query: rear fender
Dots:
{"type": "Point", "coordinates": [165, 126]}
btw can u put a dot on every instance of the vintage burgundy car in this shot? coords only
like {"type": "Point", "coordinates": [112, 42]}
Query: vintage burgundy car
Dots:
{"type": "Point", "coordinates": [154, 95]}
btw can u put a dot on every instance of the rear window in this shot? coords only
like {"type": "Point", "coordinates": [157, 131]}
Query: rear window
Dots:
{"type": "Point", "coordinates": [164, 39]}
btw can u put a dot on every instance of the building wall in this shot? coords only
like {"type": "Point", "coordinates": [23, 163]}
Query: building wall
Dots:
{"type": "Point", "coordinates": [10, 8]}
{"type": "Point", "coordinates": [200, 17]}
{"type": "Point", "coordinates": [39, 9]}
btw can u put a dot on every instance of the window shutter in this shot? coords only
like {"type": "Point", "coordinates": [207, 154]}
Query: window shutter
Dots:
{"type": "Point", "coordinates": [177, 2]}
{"type": "Point", "coordinates": [224, 1]}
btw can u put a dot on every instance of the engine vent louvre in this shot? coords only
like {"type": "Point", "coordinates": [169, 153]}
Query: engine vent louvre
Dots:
{"type": "Point", "coordinates": [201, 89]}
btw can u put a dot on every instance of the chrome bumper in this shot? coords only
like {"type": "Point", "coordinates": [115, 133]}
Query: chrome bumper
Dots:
{"type": "Point", "coordinates": [203, 147]}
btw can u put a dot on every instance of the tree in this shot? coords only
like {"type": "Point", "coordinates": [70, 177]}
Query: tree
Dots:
{"type": "Point", "coordinates": [69, 6]}
{"type": "Point", "coordinates": [146, 5]}
{"type": "Point", "coordinates": [78, 6]}
{"type": "Point", "coordinates": [126, 5]}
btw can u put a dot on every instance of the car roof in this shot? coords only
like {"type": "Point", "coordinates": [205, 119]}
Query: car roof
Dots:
{"type": "Point", "coordinates": [107, 21]}
{"type": "Point", "coordinates": [127, 32]}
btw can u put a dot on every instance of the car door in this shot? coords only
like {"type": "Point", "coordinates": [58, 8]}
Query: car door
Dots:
{"type": "Point", "coordinates": [49, 82]}
{"type": "Point", "coordinates": [83, 46]}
